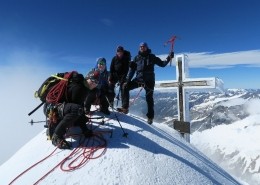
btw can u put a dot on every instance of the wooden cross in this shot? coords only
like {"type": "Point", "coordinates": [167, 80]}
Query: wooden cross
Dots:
{"type": "Point", "coordinates": [183, 85]}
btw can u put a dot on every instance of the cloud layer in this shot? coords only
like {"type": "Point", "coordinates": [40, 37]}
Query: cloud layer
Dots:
{"type": "Point", "coordinates": [211, 60]}
{"type": "Point", "coordinates": [20, 75]}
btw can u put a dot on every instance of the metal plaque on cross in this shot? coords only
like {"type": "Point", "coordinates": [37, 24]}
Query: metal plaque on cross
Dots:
{"type": "Point", "coordinates": [183, 84]}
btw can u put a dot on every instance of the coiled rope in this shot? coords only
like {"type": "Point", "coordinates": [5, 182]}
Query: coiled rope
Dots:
{"type": "Point", "coordinates": [91, 148]}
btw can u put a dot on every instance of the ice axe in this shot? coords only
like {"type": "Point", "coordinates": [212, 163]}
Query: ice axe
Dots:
{"type": "Point", "coordinates": [171, 41]}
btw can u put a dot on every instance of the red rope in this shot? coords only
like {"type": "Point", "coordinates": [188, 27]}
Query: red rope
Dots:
{"type": "Point", "coordinates": [57, 91]}
{"type": "Point", "coordinates": [91, 148]}
{"type": "Point", "coordinates": [136, 97]}
{"type": "Point", "coordinates": [32, 167]}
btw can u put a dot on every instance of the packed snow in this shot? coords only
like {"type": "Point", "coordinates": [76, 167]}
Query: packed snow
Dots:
{"type": "Point", "coordinates": [231, 125]}
{"type": "Point", "coordinates": [150, 154]}
{"type": "Point", "coordinates": [235, 147]}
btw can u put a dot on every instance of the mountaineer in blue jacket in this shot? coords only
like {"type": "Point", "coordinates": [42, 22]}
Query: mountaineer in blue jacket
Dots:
{"type": "Point", "coordinates": [100, 93]}
{"type": "Point", "coordinates": [143, 68]}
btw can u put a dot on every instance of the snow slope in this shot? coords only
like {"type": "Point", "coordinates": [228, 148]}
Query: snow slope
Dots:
{"type": "Point", "coordinates": [225, 127]}
{"type": "Point", "coordinates": [149, 155]}
{"type": "Point", "coordinates": [234, 146]}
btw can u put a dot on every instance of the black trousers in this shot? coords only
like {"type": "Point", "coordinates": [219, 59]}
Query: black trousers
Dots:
{"type": "Point", "coordinates": [73, 115]}
{"type": "Point", "coordinates": [96, 96]}
{"type": "Point", "coordinates": [149, 88]}
{"type": "Point", "coordinates": [112, 94]}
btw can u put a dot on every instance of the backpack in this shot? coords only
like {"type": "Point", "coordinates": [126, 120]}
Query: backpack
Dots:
{"type": "Point", "coordinates": [53, 117]}
{"type": "Point", "coordinates": [53, 92]}
{"type": "Point", "coordinates": [57, 93]}
{"type": "Point", "coordinates": [47, 85]}
{"type": "Point", "coordinates": [53, 87]}
{"type": "Point", "coordinates": [127, 55]}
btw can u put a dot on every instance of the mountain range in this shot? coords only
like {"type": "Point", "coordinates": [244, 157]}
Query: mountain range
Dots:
{"type": "Point", "coordinates": [207, 109]}
{"type": "Point", "coordinates": [235, 112]}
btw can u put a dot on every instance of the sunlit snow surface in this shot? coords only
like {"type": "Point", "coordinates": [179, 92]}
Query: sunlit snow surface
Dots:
{"type": "Point", "coordinates": [149, 155]}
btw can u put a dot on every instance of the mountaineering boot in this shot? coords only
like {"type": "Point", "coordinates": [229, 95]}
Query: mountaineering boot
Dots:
{"type": "Point", "coordinates": [49, 132]}
{"type": "Point", "coordinates": [61, 143]}
{"type": "Point", "coordinates": [123, 110]}
{"type": "Point", "coordinates": [150, 121]}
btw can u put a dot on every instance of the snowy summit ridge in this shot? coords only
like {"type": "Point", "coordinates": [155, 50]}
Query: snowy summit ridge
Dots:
{"type": "Point", "coordinates": [149, 155]}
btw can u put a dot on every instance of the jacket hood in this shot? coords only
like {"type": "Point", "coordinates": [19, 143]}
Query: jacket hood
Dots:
{"type": "Point", "coordinates": [103, 61]}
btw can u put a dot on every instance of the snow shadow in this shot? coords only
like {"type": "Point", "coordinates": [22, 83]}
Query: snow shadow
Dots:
{"type": "Point", "coordinates": [145, 143]}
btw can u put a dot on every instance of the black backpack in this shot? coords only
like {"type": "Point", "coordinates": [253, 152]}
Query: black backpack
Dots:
{"type": "Point", "coordinates": [53, 86]}
{"type": "Point", "coordinates": [127, 55]}
{"type": "Point", "coordinates": [53, 92]}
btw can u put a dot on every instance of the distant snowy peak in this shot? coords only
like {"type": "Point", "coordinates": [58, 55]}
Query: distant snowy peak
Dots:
{"type": "Point", "coordinates": [214, 116]}
{"type": "Point", "coordinates": [215, 108]}
{"type": "Point", "coordinates": [234, 147]}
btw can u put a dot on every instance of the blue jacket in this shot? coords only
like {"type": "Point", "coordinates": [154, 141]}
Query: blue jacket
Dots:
{"type": "Point", "coordinates": [143, 66]}
{"type": "Point", "coordinates": [103, 78]}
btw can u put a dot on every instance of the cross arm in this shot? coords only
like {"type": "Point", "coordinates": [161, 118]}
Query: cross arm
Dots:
{"type": "Point", "coordinates": [169, 84]}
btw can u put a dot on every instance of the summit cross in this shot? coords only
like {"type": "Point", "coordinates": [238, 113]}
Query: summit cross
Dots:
{"type": "Point", "coordinates": [183, 85]}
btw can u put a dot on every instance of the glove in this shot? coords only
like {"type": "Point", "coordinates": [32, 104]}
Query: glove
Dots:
{"type": "Point", "coordinates": [170, 56]}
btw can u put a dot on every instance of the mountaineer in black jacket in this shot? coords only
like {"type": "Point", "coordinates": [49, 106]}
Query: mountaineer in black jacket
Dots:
{"type": "Point", "coordinates": [71, 112]}
{"type": "Point", "coordinates": [118, 70]}
{"type": "Point", "coordinates": [143, 66]}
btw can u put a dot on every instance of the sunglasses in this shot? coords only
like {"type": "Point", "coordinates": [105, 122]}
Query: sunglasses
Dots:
{"type": "Point", "coordinates": [101, 63]}
{"type": "Point", "coordinates": [94, 81]}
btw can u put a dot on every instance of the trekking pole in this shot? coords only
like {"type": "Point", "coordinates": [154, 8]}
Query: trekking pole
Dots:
{"type": "Point", "coordinates": [125, 134]}
{"type": "Point", "coordinates": [30, 113]}
{"type": "Point", "coordinates": [32, 122]}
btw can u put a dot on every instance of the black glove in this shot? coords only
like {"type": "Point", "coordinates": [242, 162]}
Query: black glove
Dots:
{"type": "Point", "coordinates": [170, 56]}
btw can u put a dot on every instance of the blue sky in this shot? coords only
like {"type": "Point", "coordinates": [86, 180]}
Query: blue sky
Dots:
{"type": "Point", "coordinates": [69, 35]}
